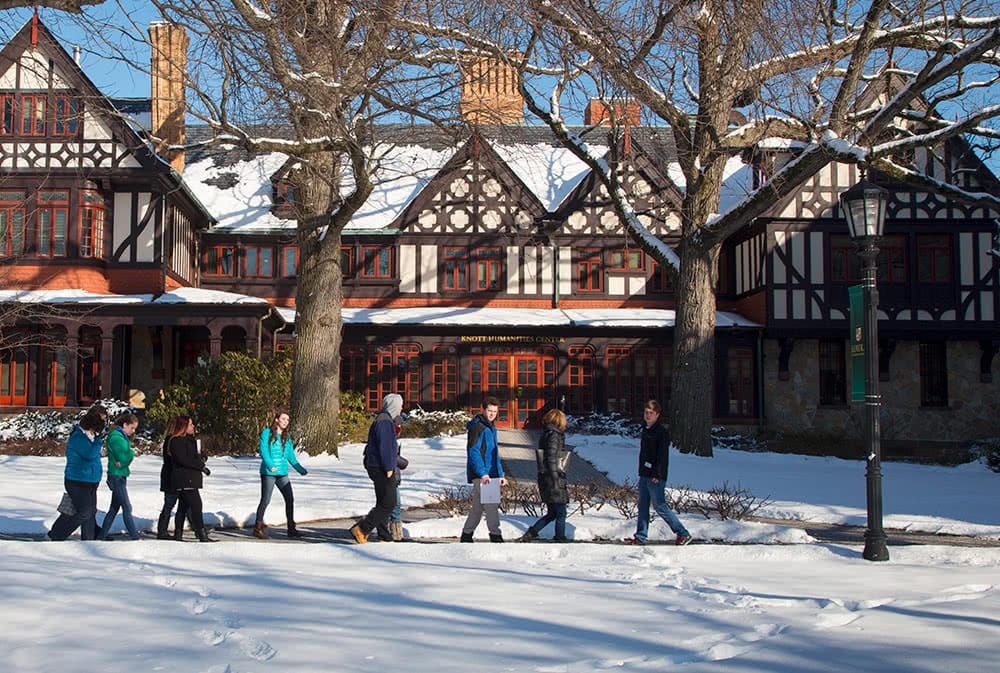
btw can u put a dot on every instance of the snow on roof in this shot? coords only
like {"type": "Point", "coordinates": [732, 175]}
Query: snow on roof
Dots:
{"type": "Point", "coordinates": [551, 172]}
{"type": "Point", "coordinates": [194, 295]}
{"type": "Point", "coordinates": [184, 295]}
{"type": "Point", "coordinates": [239, 195]}
{"type": "Point", "coordinates": [495, 317]}
{"type": "Point", "coordinates": [71, 297]}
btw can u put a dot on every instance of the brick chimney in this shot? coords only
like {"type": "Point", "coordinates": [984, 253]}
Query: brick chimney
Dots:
{"type": "Point", "coordinates": [490, 94]}
{"type": "Point", "coordinates": [622, 111]}
{"type": "Point", "coordinates": [167, 71]}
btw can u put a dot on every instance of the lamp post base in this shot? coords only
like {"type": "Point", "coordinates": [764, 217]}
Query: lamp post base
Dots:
{"type": "Point", "coordinates": [875, 547]}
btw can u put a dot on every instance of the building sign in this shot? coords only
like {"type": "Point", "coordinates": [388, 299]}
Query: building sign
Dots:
{"type": "Point", "coordinates": [857, 341]}
{"type": "Point", "coordinates": [489, 338]}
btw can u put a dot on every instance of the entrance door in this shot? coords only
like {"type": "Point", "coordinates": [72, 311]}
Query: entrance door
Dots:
{"type": "Point", "coordinates": [523, 382]}
{"type": "Point", "coordinates": [14, 377]}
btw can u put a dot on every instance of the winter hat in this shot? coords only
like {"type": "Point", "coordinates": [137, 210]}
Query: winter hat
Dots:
{"type": "Point", "coordinates": [393, 404]}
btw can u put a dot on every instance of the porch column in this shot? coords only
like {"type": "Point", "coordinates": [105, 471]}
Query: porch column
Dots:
{"type": "Point", "coordinates": [72, 367]}
{"type": "Point", "coordinates": [107, 347]}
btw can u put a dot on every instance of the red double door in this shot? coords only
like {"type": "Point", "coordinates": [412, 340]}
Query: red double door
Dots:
{"type": "Point", "coordinates": [523, 382]}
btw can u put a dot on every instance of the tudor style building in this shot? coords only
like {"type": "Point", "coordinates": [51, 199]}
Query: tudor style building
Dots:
{"type": "Point", "coordinates": [494, 266]}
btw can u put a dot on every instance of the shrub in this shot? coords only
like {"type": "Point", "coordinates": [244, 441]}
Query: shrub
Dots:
{"type": "Point", "coordinates": [54, 425]}
{"type": "Point", "coordinates": [989, 452]}
{"type": "Point", "coordinates": [230, 398]}
{"type": "Point", "coordinates": [354, 419]}
{"type": "Point", "coordinates": [420, 423]}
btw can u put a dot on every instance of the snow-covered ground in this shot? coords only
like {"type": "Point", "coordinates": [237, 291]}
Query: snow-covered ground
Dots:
{"type": "Point", "coordinates": [248, 606]}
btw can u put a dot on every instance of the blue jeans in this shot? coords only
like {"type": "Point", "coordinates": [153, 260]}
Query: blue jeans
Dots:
{"type": "Point", "coordinates": [284, 484]}
{"type": "Point", "coordinates": [397, 512]}
{"type": "Point", "coordinates": [119, 500]}
{"type": "Point", "coordinates": [655, 493]}
{"type": "Point", "coordinates": [555, 513]}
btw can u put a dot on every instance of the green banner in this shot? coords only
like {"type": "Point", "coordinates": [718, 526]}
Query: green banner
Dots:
{"type": "Point", "coordinates": [857, 341]}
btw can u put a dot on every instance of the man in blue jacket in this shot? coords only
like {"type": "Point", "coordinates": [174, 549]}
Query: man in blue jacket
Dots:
{"type": "Point", "coordinates": [483, 465]}
{"type": "Point", "coordinates": [380, 462]}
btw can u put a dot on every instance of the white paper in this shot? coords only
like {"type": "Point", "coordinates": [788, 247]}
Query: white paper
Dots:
{"type": "Point", "coordinates": [197, 443]}
{"type": "Point", "coordinates": [489, 494]}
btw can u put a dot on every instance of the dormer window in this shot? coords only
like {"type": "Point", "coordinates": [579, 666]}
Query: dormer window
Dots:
{"type": "Point", "coordinates": [284, 198]}
{"type": "Point", "coordinates": [66, 116]}
{"type": "Point", "coordinates": [39, 115]}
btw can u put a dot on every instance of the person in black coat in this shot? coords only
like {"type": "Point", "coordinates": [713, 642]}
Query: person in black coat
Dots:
{"type": "Point", "coordinates": [187, 469]}
{"type": "Point", "coordinates": [551, 477]}
{"type": "Point", "coordinates": [178, 426]}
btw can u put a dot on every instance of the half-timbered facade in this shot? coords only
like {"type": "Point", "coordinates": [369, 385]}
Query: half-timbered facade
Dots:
{"type": "Point", "coordinates": [495, 265]}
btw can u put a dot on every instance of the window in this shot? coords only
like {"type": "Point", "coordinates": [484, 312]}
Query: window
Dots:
{"type": "Point", "coordinates": [11, 223]}
{"type": "Point", "coordinates": [289, 261]}
{"type": "Point", "coordinates": [33, 115]}
{"type": "Point", "coordinates": [91, 224]}
{"type": "Point", "coordinates": [353, 369]}
{"type": "Point", "coordinates": [88, 376]}
{"type": "Point", "coordinates": [376, 262]}
{"type": "Point", "coordinates": [658, 280]}
{"type": "Point", "coordinates": [7, 118]}
{"type": "Point", "coordinates": [619, 379]}
{"type": "Point", "coordinates": [444, 385]}
{"type": "Point", "coordinates": [486, 262]}
{"type": "Point", "coordinates": [53, 216]}
{"type": "Point", "coordinates": [626, 260]}
{"type": "Point", "coordinates": [588, 271]}
{"type": "Point", "coordinates": [347, 261]}
{"type": "Point", "coordinates": [456, 269]}
{"type": "Point", "coordinates": [580, 396]}
{"type": "Point", "coordinates": [933, 374]}
{"type": "Point", "coordinates": [218, 261]}
{"type": "Point", "coordinates": [934, 258]}
{"type": "Point", "coordinates": [832, 372]}
{"type": "Point", "coordinates": [284, 194]}
{"type": "Point", "coordinates": [67, 116]}
{"type": "Point", "coordinates": [393, 369]}
{"type": "Point", "coordinates": [739, 381]}
{"type": "Point", "coordinates": [845, 265]}
{"type": "Point", "coordinates": [258, 262]}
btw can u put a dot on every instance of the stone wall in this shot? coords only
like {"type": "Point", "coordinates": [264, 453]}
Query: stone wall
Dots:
{"type": "Point", "coordinates": [792, 406]}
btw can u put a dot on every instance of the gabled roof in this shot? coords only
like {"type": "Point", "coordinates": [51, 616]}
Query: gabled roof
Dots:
{"type": "Point", "coordinates": [70, 71]}
{"type": "Point", "coordinates": [236, 185]}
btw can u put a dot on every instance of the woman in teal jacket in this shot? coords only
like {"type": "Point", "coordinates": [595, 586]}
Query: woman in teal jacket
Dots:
{"type": "Point", "coordinates": [120, 456]}
{"type": "Point", "coordinates": [82, 476]}
{"type": "Point", "coordinates": [277, 451]}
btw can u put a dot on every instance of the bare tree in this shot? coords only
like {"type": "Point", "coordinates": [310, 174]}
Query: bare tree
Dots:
{"type": "Point", "coordinates": [75, 6]}
{"type": "Point", "coordinates": [861, 83]}
{"type": "Point", "coordinates": [316, 80]}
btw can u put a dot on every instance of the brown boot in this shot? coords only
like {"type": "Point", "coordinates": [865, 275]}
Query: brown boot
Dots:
{"type": "Point", "coordinates": [396, 529]}
{"type": "Point", "coordinates": [258, 531]}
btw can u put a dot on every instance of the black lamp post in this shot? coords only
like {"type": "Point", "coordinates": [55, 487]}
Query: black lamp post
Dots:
{"type": "Point", "coordinates": [864, 207]}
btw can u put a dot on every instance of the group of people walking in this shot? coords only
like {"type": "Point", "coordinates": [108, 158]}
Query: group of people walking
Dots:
{"type": "Point", "coordinates": [184, 467]}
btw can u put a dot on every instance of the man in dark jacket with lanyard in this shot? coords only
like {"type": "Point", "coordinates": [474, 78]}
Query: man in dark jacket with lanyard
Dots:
{"type": "Point", "coordinates": [482, 465]}
{"type": "Point", "coordinates": [380, 462]}
{"type": "Point", "coordinates": [654, 447]}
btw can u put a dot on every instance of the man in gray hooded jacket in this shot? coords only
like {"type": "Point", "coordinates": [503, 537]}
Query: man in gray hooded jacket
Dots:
{"type": "Point", "coordinates": [380, 462]}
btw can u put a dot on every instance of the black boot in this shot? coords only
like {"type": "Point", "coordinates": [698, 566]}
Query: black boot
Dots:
{"type": "Point", "coordinates": [293, 531]}
{"type": "Point", "coordinates": [179, 532]}
{"type": "Point", "coordinates": [528, 536]}
{"type": "Point", "coordinates": [202, 535]}
{"type": "Point", "coordinates": [496, 537]}
{"type": "Point", "coordinates": [162, 524]}
{"type": "Point", "coordinates": [466, 537]}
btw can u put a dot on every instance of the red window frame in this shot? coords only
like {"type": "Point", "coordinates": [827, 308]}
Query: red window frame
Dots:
{"type": "Point", "coordinates": [444, 378]}
{"type": "Point", "coordinates": [627, 259]}
{"type": "Point", "coordinates": [8, 114]}
{"type": "Point", "coordinates": [740, 400]}
{"type": "Point", "coordinates": [354, 369]}
{"type": "Point", "coordinates": [456, 269]}
{"type": "Point", "coordinates": [393, 369]}
{"type": "Point", "coordinates": [580, 395]}
{"type": "Point", "coordinates": [33, 115]}
{"type": "Point", "coordinates": [91, 228]}
{"type": "Point", "coordinates": [67, 116]}
{"type": "Point", "coordinates": [14, 377]}
{"type": "Point", "coordinates": [619, 373]}
{"type": "Point", "coordinates": [934, 258]}
{"type": "Point", "coordinates": [658, 279]}
{"type": "Point", "coordinates": [376, 261]}
{"type": "Point", "coordinates": [258, 261]}
{"type": "Point", "coordinates": [486, 269]}
{"type": "Point", "coordinates": [289, 253]}
{"type": "Point", "coordinates": [12, 215]}
{"type": "Point", "coordinates": [52, 205]}
{"type": "Point", "coordinates": [346, 261]}
{"type": "Point", "coordinates": [213, 261]}
{"type": "Point", "coordinates": [845, 265]}
{"type": "Point", "coordinates": [589, 273]}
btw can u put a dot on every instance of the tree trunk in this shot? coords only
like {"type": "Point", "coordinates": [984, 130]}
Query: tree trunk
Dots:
{"type": "Point", "coordinates": [691, 395]}
{"type": "Point", "coordinates": [316, 373]}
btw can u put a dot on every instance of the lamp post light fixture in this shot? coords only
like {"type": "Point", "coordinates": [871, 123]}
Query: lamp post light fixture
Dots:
{"type": "Point", "coordinates": [864, 207]}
